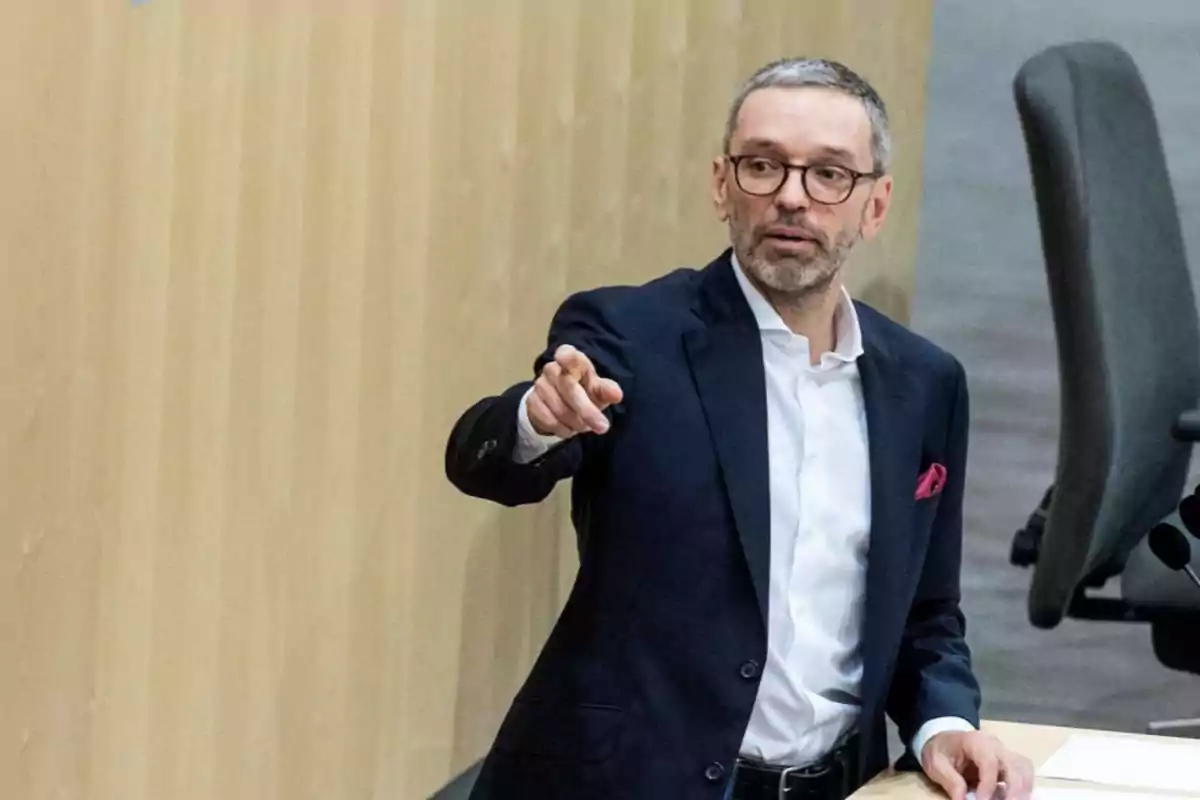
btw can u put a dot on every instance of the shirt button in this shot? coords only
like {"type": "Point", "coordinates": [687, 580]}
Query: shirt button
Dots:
{"type": "Point", "coordinates": [714, 771]}
{"type": "Point", "coordinates": [749, 670]}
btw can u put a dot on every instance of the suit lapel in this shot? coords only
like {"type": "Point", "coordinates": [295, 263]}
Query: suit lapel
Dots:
{"type": "Point", "coordinates": [725, 356]}
{"type": "Point", "coordinates": [726, 361]}
{"type": "Point", "coordinates": [894, 447]}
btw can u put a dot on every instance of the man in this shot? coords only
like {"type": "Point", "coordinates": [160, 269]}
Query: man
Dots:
{"type": "Point", "coordinates": [768, 483]}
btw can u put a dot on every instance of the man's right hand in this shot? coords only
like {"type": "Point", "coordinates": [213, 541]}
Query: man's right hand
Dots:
{"type": "Point", "coordinates": [569, 397]}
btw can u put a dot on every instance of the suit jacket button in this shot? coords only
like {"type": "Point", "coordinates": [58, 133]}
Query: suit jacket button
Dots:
{"type": "Point", "coordinates": [749, 670]}
{"type": "Point", "coordinates": [485, 448]}
{"type": "Point", "coordinates": [714, 771]}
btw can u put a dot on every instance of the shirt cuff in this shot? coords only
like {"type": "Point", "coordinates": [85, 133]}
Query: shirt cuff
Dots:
{"type": "Point", "coordinates": [934, 727]}
{"type": "Point", "coordinates": [530, 444]}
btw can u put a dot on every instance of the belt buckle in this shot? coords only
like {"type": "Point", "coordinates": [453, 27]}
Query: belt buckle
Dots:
{"type": "Point", "coordinates": [783, 780]}
{"type": "Point", "coordinates": [813, 771]}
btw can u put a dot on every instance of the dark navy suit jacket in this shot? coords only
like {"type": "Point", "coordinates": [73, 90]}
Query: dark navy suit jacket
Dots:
{"type": "Point", "coordinates": [646, 684]}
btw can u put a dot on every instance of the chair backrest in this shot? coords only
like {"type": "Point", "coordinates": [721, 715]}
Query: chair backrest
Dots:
{"type": "Point", "coordinates": [1124, 314]}
{"type": "Point", "coordinates": [460, 788]}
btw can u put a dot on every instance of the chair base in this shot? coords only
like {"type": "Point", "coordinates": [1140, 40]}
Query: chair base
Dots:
{"type": "Point", "coordinates": [1187, 728]}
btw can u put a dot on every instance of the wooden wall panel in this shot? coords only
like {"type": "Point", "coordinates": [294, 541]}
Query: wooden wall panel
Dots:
{"type": "Point", "coordinates": [257, 257]}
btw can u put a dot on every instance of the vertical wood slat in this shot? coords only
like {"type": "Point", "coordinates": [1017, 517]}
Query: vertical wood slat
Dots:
{"type": "Point", "coordinates": [259, 256]}
{"type": "Point", "coordinates": [187, 556]}
{"type": "Point", "coordinates": [134, 374]}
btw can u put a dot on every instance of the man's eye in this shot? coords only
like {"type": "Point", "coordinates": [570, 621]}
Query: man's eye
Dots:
{"type": "Point", "coordinates": [831, 173]}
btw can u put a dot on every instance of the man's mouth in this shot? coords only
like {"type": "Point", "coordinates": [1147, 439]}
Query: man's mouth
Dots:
{"type": "Point", "coordinates": [790, 237]}
{"type": "Point", "coordinates": [789, 232]}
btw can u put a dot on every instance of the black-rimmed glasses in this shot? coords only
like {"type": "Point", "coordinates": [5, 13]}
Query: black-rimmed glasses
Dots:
{"type": "Point", "coordinates": [828, 184]}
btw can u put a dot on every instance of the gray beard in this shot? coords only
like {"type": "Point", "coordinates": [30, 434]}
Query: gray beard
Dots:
{"type": "Point", "coordinates": [794, 282]}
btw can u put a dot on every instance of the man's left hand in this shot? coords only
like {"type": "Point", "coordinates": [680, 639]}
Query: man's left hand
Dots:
{"type": "Point", "coordinates": [957, 760]}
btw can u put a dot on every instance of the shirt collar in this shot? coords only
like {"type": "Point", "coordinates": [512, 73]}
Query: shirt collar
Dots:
{"type": "Point", "coordinates": [848, 346]}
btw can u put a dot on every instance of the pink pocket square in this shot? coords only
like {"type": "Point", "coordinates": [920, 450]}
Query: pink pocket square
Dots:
{"type": "Point", "coordinates": [931, 482]}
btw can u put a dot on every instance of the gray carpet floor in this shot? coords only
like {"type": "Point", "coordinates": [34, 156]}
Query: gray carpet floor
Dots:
{"type": "Point", "coordinates": [981, 292]}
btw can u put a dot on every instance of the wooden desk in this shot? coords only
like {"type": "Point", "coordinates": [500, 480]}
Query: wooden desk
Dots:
{"type": "Point", "coordinates": [1037, 742]}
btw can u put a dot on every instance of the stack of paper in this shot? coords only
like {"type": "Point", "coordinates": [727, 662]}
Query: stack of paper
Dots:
{"type": "Point", "coordinates": [1118, 761]}
{"type": "Point", "coordinates": [1060, 793]}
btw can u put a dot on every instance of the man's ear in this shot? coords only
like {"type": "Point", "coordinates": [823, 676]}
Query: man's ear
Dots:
{"type": "Point", "coordinates": [876, 209]}
{"type": "Point", "coordinates": [720, 188]}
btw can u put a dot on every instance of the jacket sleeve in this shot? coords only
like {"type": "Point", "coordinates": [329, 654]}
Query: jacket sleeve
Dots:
{"type": "Point", "coordinates": [933, 677]}
{"type": "Point", "coordinates": [479, 453]}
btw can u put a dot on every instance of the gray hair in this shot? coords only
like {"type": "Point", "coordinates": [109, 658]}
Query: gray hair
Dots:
{"type": "Point", "coordinates": [797, 72]}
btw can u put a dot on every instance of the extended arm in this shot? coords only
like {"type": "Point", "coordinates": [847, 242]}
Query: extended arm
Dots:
{"type": "Point", "coordinates": [493, 451]}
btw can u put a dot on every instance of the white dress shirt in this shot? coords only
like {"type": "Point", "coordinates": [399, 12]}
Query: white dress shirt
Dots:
{"type": "Point", "coordinates": [819, 474]}
{"type": "Point", "coordinates": [820, 480]}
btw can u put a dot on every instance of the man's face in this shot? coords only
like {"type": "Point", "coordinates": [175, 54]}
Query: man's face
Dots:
{"type": "Point", "coordinates": [787, 241]}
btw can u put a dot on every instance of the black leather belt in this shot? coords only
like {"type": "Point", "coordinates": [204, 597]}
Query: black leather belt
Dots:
{"type": "Point", "coordinates": [832, 778]}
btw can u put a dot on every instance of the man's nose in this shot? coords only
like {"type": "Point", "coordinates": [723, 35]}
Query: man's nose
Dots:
{"type": "Point", "coordinates": [791, 195]}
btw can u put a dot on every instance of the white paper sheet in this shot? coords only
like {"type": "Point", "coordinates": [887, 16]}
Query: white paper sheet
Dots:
{"type": "Point", "coordinates": [1137, 763]}
{"type": "Point", "coordinates": [1065, 793]}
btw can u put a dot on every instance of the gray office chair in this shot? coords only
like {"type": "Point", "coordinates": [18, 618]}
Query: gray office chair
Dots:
{"type": "Point", "coordinates": [1128, 345]}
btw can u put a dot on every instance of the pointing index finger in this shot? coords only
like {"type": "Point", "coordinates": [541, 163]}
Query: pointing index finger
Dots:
{"type": "Point", "coordinates": [579, 401]}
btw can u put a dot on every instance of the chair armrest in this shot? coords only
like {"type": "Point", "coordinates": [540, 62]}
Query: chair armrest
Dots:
{"type": "Point", "coordinates": [1187, 427]}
